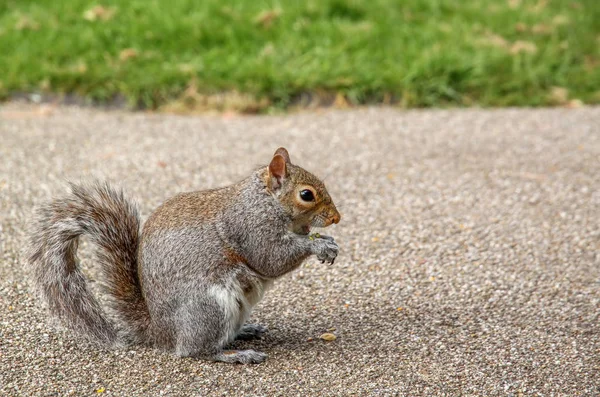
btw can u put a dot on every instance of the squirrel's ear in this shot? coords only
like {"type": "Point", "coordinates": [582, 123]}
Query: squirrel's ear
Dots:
{"type": "Point", "coordinates": [284, 153]}
{"type": "Point", "coordinates": [277, 171]}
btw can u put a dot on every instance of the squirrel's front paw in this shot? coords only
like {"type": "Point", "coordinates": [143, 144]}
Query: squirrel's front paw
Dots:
{"type": "Point", "coordinates": [326, 249]}
{"type": "Point", "coordinates": [251, 331]}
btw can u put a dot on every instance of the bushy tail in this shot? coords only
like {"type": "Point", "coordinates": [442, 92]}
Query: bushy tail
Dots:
{"type": "Point", "coordinates": [112, 224]}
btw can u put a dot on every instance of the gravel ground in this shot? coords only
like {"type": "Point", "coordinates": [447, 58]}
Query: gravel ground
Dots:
{"type": "Point", "coordinates": [469, 263]}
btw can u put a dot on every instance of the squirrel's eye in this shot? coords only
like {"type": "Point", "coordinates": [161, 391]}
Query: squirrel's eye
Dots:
{"type": "Point", "coordinates": [307, 195]}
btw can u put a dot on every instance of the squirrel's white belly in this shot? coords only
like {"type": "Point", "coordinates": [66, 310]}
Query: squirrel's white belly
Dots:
{"type": "Point", "coordinates": [237, 305]}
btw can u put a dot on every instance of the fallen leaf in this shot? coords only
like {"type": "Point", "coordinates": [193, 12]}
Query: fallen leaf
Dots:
{"type": "Point", "coordinates": [267, 50]}
{"type": "Point", "coordinates": [495, 40]}
{"type": "Point", "coordinates": [590, 63]}
{"type": "Point", "coordinates": [79, 67]}
{"type": "Point", "coordinates": [537, 8]}
{"type": "Point", "coordinates": [574, 103]}
{"type": "Point", "coordinates": [230, 12]}
{"type": "Point", "coordinates": [266, 18]}
{"type": "Point", "coordinates": [100, 390]}
{"type": "Point", "coordinates": [44, 84]}
{"type": "Point", "coordinates": [186, 68]}
{"type": "Point", "coordinates": [541, 28]}
{"type": "Point", "coordinates": [328, 337]}
{"type": "Point", "coordinates": [340, 101]}
{"type": "Point", "coordinates": [26, 23]}
{"type": "Point", "coordinates": [128, 53]}
{"type": "Point", "coordinates": [514, 3]}
{"type": "Point", "coordinates": [331, 329]}
{"type": "Point", "coordinates": [229, 114]}
{"type": "Point", "coordinates": [45, 110]}
{"type": "Point", "coordinates": [560, 20]}
{"type": "Point", "coordinates": [99, 13]}
{"type": "Point", "coordinates": [520, 46]}
{"type": "Point", "coordinates": [493, 8]}
{"type": "Point", "coordinates": [521, 27]}
{"type": "Point", "coordinates": [344, 81]}
{"type": "Point", "coordinates": [559, 95]}
{"type": "Point", "coordinates": [366, 26]}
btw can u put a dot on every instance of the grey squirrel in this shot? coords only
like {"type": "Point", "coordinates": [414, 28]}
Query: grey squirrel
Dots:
{"type": "Point", "coordinates": [203, 260]}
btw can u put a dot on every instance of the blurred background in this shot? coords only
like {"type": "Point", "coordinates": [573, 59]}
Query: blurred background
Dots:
{"type": "Point", "coordinates": [257, 56]}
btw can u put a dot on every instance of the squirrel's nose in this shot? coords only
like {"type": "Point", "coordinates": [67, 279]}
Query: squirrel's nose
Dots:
{"type": "Point", "coordinates": [336, 217]}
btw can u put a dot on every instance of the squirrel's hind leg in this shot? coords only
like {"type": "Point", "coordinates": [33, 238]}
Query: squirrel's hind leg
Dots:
{"type": "Point", "coordinates": [206, 323]}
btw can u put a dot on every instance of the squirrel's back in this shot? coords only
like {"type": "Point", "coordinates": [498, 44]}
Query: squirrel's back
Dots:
{"type": "Point", "coordinates": [190, 209]}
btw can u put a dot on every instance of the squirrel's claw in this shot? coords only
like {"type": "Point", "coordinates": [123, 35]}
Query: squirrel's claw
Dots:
{"type": "Point", "coordinates": [326, 249]}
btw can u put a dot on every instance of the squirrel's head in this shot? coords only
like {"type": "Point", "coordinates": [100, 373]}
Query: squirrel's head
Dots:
{"type": "Point", "coordinates": [302, 195]}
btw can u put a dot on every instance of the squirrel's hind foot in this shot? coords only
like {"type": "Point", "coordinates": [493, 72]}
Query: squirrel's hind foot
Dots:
{"type": "Point", "coordinates": [240, 356]}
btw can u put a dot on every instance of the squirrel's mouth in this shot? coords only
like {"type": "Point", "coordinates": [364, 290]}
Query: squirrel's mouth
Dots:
{"type": "Point", "coordinates": [305, 230]}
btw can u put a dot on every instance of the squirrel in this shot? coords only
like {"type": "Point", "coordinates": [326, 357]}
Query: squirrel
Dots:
{"type": "Point", "coordinates": [188, 283]}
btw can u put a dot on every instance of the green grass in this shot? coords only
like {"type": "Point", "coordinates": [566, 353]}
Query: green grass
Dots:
{"type": "Point", "coordinates": [413, 52]}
